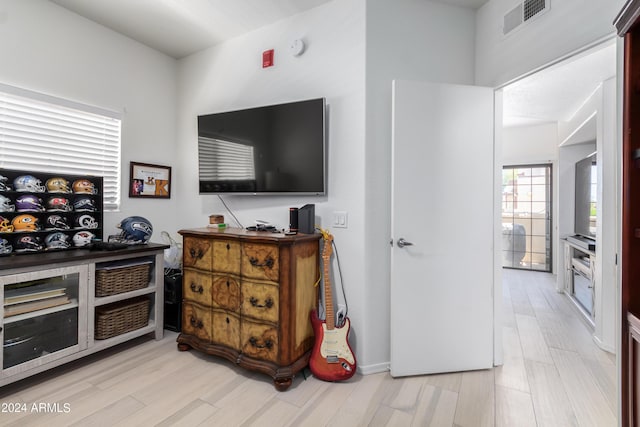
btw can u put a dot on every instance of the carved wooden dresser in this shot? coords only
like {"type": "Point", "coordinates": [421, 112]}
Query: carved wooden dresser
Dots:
{"type": "Point", "coordinates": [247, 297]}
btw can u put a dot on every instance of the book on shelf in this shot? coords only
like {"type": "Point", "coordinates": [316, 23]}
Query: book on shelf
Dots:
{"type": "Point", "coordinates": [28, 307]}
{"type": "Point", "coordinates": [31, 293]}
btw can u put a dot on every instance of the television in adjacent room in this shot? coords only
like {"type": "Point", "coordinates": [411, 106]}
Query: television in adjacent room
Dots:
{"type": "Point", "coordinates": [586, 197]}
{"type": "Point", "coordinates": [273, 149]}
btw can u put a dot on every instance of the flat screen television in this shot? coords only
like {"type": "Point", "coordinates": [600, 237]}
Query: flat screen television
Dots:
{"type": "Point", "coordinates": [273, 149]}
{"type": "Point", "coordinates": [586, 197]}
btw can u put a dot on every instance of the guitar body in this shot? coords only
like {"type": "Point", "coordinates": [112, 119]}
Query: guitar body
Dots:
{"type": "Point", "coordinates": [331, 358]}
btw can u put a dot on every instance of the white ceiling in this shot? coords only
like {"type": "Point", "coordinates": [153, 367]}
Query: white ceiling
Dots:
{"type": "Point", "coordinates": [556, 93]}
{"type": "Point", "coordinates": [179, 27]}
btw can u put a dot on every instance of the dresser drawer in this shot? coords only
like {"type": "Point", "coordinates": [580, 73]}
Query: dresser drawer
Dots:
{"type": "Point", "coordinates": [260, 261]}
{"type": "Point", "coordinates": [197, 253]}
{"type": "Point", "coordinates": [260, 300]}
{"type": "Point", "coordinates": [259, 340]}
{"type": "Point", "coordinates": [196, 287]}
{"type": "Point", "coordinates": [226, 256]}
{"type": "Point", "coordinates": [226, 329]}
{"type": "Point", "coordinates": [226, 292]}
{"type": "Point", "coordinates": [196, 321]}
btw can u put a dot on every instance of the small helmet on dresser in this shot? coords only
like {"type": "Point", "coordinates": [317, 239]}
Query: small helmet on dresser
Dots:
{"type": "Point", "coordinates": [135, 230]}
{"type": "Point", "coordinates": [58, 184]}
{"type": "Point", "coordinates": [29, 203]}
{"type": "Point", "coordinates": [28, 244]}
{"type": "Point", "coordinates": [6, 205]}
{"type": "Point", "coordinates": [25, 222]}
{"type": "Point", "coordinates": [56, 222]}
{"type": "Point", "coordinates": [29, 183]}
{"type": "Point", "coordinates": [57, 240]}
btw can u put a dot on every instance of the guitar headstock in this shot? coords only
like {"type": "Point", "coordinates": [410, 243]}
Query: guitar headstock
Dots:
{"type": "Point", "coordinates": [327, 250]}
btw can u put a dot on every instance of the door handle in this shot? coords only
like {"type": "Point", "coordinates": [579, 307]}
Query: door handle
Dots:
{"type": "Point", "coordinates": [402, 243]}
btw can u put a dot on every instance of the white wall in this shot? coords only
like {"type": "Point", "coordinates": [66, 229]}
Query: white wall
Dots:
{"type": "Point", "coordinates": [413, 41]}
{"type": "Point", "coordinates": [230, 76]}
{"type": "Point", "coordinates": [567, 26]}
{"type": "Point", "coordinates": [47, 49]}
{"type": "Point", "coordinates": [530, 144]}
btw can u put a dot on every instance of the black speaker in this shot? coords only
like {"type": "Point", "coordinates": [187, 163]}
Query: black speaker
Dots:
{"type": "Point", "coordinates": [172, 299]}
{"type": "Point", "coordinates": [293, 219]}
{"type": "Point", "coordinates": [307, 219]}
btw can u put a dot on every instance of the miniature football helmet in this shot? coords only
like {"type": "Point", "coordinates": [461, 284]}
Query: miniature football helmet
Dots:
{"type": "Point", "coordinates": [57, 240]}
{"type": "Point", "coordinates": [84, 204]}
{"type": "Point", "coordinates": [5, 247]}
{"type": "Point", "coordinates": [6, 205]}
{"type": "Point", "coordinates": [82, 238]}
{"type": "Point", "coordinates": [29, 203]}
{"type": "Point", "coordinates": [86, 221]}
{"type": "Point", "coordinates": [59, 204]}
{"type": "Point", "coordinates": [28, 183]}
{"type": "Point", "coordinates": [5, 225]}
{"type": "Point", "coordinates": [25, 222]}
{"type": "Point", "coordinates": [28, 244]}
{"type": "Point", "coordinates": [3, 183]}
{"type": "Point", "coordinates": [58, 185]}
{"type": "Point", "coordinates": [84, 186]}
{"type": "Point", "coordinates": [56, 222]}
{"type": "Point", "coordinates": [135, 230]}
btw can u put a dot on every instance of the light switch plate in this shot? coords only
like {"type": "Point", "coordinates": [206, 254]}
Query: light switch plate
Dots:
{"type": "Point", "coordinates": [340, 219]}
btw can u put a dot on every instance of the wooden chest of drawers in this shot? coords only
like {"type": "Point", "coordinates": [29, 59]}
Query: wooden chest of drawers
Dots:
{"type": "Point", "coordinates": [247, 298]}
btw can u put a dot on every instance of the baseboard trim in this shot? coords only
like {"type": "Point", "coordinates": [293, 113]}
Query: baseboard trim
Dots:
{"type": "Point", "coordinates": [373, 369]}
{"type": "Point", "coordinates": [604, 346]}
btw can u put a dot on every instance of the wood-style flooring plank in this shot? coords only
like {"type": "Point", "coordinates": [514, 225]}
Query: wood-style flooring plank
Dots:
{"type": "Point", "coordinates": [589, 404]}
{"type": "Point", "coordinates": [550, 401]}
{"type": "Point", "coordinates": [512, 373]}
{"type": "Point", "coordinates": [514, 408]}
{"type": "Point", "coordinates": [534, 347]}
{"type": "Point", "coordinates": [436, 407]}
{"type": "Point", "coordinates": [476, 400]}
{"type": "Point", "coordinates": [553, 375]}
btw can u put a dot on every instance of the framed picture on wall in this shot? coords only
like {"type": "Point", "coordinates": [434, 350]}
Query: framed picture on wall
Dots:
{"type": "Point", "coordinates": [151, 181]}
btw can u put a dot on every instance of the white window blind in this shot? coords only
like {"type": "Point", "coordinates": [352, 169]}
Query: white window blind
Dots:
{"type": "Point", "coordinates": [225, 160]}
{"type": "Point", "coordinates": [42, 133]}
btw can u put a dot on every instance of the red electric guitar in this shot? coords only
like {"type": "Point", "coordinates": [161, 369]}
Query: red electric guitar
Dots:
{"type": "Point", "coordinates": [331, 358]}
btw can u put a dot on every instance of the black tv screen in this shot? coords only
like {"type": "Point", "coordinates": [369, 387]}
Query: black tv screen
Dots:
{"type": "Point", "coordinates": [586, 197]}
{"type": "Point", "coordinates": [274, 149]}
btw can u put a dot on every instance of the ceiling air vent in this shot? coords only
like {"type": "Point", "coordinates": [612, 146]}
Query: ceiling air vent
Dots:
{"type": "Point", "coordinates": [533, 8]}
{"type": "Point", "coordinates": [522, 13]}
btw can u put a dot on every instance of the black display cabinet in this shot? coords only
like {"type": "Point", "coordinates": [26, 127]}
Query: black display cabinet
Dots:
{"type": "Point", "coordinates": [41, 211]}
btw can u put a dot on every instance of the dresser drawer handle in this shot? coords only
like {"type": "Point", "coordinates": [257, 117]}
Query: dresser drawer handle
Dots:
{"type": "Point", "coordinates": [197, 289]}
{"type": "Point", "coordinates": [268, 262]}
{"type": "Point", "coordinates": [196, 254]}
{"type": "Point", "coordinates": [228, 246]}
{"type": "Point", "coordinates": [196, 323]}
{"type": "Point", "coordinates": [254, 342]}
{"type": "Point", "coordinates": [254, 302]}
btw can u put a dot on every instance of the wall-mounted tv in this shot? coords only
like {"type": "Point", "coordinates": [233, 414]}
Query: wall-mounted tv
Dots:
{"type": "Point", "coordinates": [273, 149]}
{"type": "Point", "coordinates": [586, 197]}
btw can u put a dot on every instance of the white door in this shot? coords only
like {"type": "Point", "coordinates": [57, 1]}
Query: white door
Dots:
{"type": "Point", "coordinates": [443, 205]}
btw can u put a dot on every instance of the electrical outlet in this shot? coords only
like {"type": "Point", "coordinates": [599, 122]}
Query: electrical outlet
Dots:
{"type": "Point", "coordinates": [340, 219]}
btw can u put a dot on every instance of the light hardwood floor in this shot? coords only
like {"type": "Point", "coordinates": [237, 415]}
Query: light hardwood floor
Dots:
{"type": "Point", "coordinates": [553, 375]}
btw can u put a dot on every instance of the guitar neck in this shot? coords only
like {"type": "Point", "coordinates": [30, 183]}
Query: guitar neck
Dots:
{"type": "Point", "coordinates": [330, 319]}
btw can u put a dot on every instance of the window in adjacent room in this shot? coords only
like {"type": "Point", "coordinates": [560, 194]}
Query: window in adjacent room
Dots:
{"type": "Point", "coordinates": [43, 133]}
{"type": "Point", "coordinates": [526, 217]}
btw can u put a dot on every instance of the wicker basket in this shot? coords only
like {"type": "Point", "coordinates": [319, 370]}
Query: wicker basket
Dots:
{"type": "Point", "coordinates": [120, 317]}
{"type": "Point", "coordinates": [116, 280]}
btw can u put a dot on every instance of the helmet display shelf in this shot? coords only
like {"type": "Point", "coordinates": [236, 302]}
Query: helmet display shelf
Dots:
{"type": "Point", "coordinates": [45, 212]}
